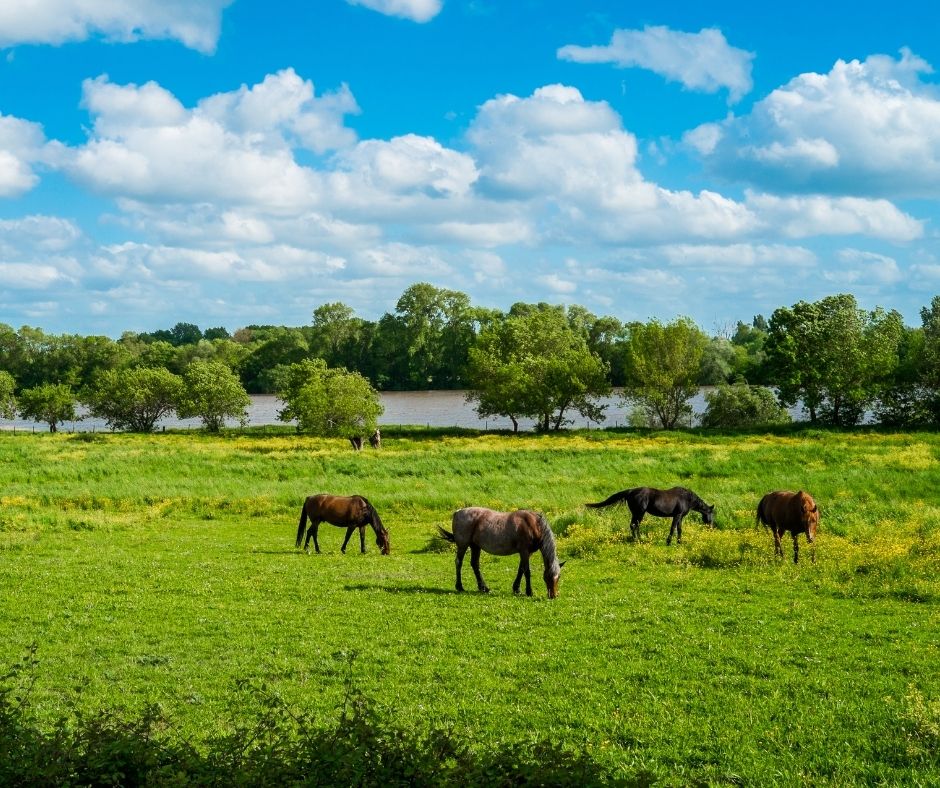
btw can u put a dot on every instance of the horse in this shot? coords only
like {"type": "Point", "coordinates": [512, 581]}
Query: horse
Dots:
{"type": "Point", "coordinates": [795, 512]}
{"type": "Point", "coordinates": [352, 512]}
{"type": "Point", "coordinates": [505, 533]}
{"type": "Point", "coordinates": [676, 503]}
{"type": "Point", "coordinates": [375, 439]}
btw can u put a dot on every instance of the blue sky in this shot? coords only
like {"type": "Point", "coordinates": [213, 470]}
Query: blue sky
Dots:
{"type": "Point", "coordinates": [232, 162]}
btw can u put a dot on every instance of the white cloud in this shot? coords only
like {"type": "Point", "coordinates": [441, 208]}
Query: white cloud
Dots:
{"type": "Point", "coordinates": [36, 235]}
{"type": "Point", "coordinates": [415, 10]}
{"type": "Point", "coordinates": [556, 284]}
{"type": "Point", "coordinates": [700, 61]}
{"type": "Point", "coordinates": [233, 148]}
{"type": "Point", "coordinates": [866, 128]}
{"type": "Point", "coordinates": [195, 24]}
{"type": "Point", "coordinates": [802, 217]}
{"type": "Point", "coordinates": [22, 145]}
{"type": "Point", "coordinates": [867, 268]}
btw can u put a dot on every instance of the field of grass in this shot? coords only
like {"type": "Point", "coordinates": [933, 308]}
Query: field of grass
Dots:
{"type": "Point", "coordinates": [162, 570]}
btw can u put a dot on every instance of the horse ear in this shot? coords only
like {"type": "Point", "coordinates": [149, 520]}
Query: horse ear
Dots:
{"type": "Point", "coordinates": [816, 507]}
{"type": "Point", "coordinates": [560, 565]}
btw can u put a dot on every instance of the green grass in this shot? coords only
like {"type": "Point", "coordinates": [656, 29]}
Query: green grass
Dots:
{"type": "Point", "coordinates": [161, 569]}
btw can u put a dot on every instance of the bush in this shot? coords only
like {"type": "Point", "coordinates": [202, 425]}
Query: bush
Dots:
{"type": "Point", "coordinates": [740, 405]}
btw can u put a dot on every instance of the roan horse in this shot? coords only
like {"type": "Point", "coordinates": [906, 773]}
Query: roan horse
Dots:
{"type": "Point", "coordinates": [795, 512]}
{"type": "Point", "coordinates": [676, 503]}
{"type": "Point", "coordinates": [505, 533]}
{"type": "Point", "coordinates": [352, 512]}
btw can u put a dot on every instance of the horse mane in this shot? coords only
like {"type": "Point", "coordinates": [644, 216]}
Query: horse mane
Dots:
{"type": "Point", "coordinates": [547, 543]}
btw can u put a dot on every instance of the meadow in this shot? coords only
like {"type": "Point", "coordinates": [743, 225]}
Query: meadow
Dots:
{"type": "Point", "coordinates": [142, 573]}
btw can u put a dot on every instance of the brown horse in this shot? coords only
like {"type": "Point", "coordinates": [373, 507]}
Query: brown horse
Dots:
{"type": "Point", "coordinates": [795, 512]}
{"type": "Point", "coordinates": [676, 503]}
{"type": "Point", "coordinates": [352, 512]}
{"type": "Point", "coordinates": [505, 533]}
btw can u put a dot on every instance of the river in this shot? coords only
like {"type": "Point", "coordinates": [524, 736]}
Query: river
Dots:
{"type": "Point", "coordinates": [422, 408]}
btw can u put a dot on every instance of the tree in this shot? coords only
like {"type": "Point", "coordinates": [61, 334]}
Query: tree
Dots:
{"type": "Point", "coordinates": [833, 356]}
{"type": "Point", "coordinates": [327, 402]}
{"type": "Point", "coordinates": [740, 405]}
{"type": "Point", "coordinates": [7, 395]}
{"type": "Point", "coordinates": [534, 364]}
{"type": "Point", "coordinates": [214, 393]}
{"type": "Point", "coordinates": [663, 364]}
{"type": "Point", "coordinates": [134, 399]}
{"type": "Point", "coordinates": [51, 403]}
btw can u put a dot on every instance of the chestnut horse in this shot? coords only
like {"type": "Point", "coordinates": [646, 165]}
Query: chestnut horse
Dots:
{"type": "Point", "coordinates": [352, 513]}
{"type": "Point", "coordinates": [795, 512]}
{"type": "Point", "coordinates": [676, 503]}
{"type": "Point", "coordinates": [505, 533]}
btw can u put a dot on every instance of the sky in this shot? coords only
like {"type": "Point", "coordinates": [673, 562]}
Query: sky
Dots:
{"type": "Point", "coordinates": [237, 162]}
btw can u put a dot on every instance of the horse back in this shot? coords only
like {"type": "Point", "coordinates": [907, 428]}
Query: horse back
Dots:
{"type": "Point", "coordinates": [338, 509]}
{"type": "Point", "coordinates": [785, 510]}
{"type": "Point", "coordinates": [498, 533]}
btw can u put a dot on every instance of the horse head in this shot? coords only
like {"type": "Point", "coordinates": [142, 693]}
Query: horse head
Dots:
{"type": "Point", "coordinates": [708, 514]}
{"type": "Point", "coordinates": [382, 540]}
{"type": "Point", "coordinates": [552, 577]}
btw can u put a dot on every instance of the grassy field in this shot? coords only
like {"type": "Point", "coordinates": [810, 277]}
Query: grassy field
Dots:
{"type": "Point", "coordinates": [162, 570]}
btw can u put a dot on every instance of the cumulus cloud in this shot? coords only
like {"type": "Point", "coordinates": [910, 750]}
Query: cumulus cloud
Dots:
{"type": "Point", "coordinates": [194, 24]}
{"type": "Point", "coordinates": [22, 146]}
{"type": "Point", "coordinates": [415, 10]}
{"type": "Point", "coordinates": [865, 128]}
{"type": "Point", "coordinates": [233, 148]}
{"type": "Point", "coordinates": [802, 217]}
{"type": "Point", "coordinates": [865, 268]}
{"type": "Point", "coordinates": [701, 61]}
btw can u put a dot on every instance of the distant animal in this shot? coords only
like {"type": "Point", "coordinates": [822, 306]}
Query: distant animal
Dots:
{"type": "Point", "coordinates": [350, 512]}
{"type": "Point", "coordinates": [505, 533]}
{"type": "Point", "coordinates": [356, 441]}
{"type": "Point", "coordinates": [795, 512]}
{"type": "Point", "coordinates": [375, 439]}
{"type": "Point", "coordinates": [676, 503]}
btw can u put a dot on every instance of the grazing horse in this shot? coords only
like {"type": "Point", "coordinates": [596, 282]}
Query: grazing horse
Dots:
{"type": "Point", "coordinates": [375, 439]}
{"type": "Point", "coordinates": [795, 512]}
{"type": "Point", "coordinates": [352, 512]}
{"type": "Point", "coordinates": [505, 533]}
{"type": "Point", "coordinates": [675, 503]}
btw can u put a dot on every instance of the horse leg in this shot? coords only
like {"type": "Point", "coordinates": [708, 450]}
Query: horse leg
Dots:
{"type": "Point", "coordinates": [675, 528]}
{"type": "Point", "coordinates": [349, 533]}
{"type": "Point", "coordinates": [635, 526]}
{"type": "Point", "coordinates": [312, 533]}
{"type": "Point", "coordinates": [523, 570]}
{"type": "Point", "coordinates": [475, 564]}
{"type": "Point", "coordinates": [461, 550]}
{"type": "Point", "coordinates": [362, 538]}
{"type": "Point", "coordinates": [796, 549]}
{"type": "Point", "coordinates": [778, 547]}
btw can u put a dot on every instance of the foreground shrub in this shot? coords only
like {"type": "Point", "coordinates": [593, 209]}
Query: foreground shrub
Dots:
{"type": "Point", "coordinates": [280, 746]}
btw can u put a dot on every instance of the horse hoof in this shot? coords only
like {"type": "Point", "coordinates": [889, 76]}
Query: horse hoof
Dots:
{"type": "Point", "coordinates": [484, 590]}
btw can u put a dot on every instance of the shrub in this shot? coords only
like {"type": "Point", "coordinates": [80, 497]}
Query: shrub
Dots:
{"type": "Point", "coordinates": [741, 405]}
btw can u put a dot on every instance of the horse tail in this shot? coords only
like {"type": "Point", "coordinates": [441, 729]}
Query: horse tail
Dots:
{"type": "Point", "coordinates": [617, 497]}
{"type": "Point", "coordinates": [446, 535]}
{"type": "Point", "coordinates": [761, 520]}
{"type": "Point", "coordinates": [303, 523]}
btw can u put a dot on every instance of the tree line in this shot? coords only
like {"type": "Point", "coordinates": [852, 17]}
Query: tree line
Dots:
{"type": "Point", "coordinates": [539, 361]}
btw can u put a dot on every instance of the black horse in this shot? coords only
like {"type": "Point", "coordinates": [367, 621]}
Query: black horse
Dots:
{"type": "Point", "coordinates": [675, 503]}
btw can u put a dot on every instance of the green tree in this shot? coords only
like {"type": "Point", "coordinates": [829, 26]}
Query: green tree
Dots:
{"type": "Point", "coordinates": [740, 405]}
{"type": "Point", "coordinates": [833, 355]}
{"type": "Point", "coordinates": [663, 364]}
{"type": "Point", "coordinates": [327, 401]}
{"type": "Point", "coordinates": [428, 339]}
{"type": "Point", "coordinates": [535, 364]}
{"type": "Point", "coordinates": [214, 393]}
{"type": "Point", "coordinates": [50, 403]}
{"type": "Point", "coordinates": [134, 399]}
{"type": "Point", "coordinates": [7, 395]}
